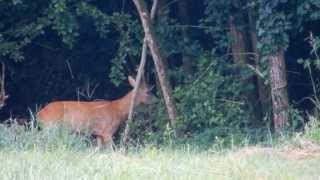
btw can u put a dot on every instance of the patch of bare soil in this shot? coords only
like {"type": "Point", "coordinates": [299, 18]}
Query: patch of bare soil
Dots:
{"type": "Point", "coordinates": [300, 151]}
{"type": "Point", "coordinates": [303, 150]}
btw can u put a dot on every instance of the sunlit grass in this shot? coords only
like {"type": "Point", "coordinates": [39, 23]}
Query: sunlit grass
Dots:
{"type": "Point", "coordinates": [57, 154]}
{"type": "Point", "coordinates": [152, 163]}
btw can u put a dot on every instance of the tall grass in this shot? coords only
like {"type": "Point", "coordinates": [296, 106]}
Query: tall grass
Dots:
{"type": "Point", "coordinates": [59, 154]}
{"type": "Point", "coordinates": [19, 138]}
{"type": "Point", "coordinates": [312, 129]}
{"type": "Point", "coordinates": [151, 163]}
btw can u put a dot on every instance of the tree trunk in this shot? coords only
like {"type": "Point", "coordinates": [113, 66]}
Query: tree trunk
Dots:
{"type": "Point", "coordinates": [279, 91]}
{"type": "Point", "coordinates": [263, 93]}
{"type": "Point", "coordinates": [158, 60]}
{"type": "Point", "coordinates": [184, 19]}
{"type": "Point", "coordinates": [240, 53]}
{"type": "Point", "coordinates": [238, 47]}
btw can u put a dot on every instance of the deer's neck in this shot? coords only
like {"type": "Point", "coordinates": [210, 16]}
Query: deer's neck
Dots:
{"type": "Point", "coordinates": [123, 105]}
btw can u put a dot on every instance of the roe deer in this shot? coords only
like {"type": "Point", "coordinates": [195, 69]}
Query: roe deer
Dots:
{"type": "Point", "coordinates": [100, 118]}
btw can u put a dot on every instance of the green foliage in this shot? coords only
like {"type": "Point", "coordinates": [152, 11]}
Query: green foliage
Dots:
{"type": "Point", "coordinates": [151, 126]}
{"type": "Point", "coordinates": [216, 21]}
{"type": "Point", "coordinates": [129, 36]}
{"type": "Point", "coordinates": [296, 119]}
{"type": "Point", "coordinates": [66, 17]}
{"type": "Point", "coordinates": [314, 43]}
{"type": "Point", "coordinates": [308, 9]}
{"type": "Point", "coordinates": [63, 19]}
{"type": "Point", "coordinates": [61, 38]}
{"type": "Point", "coordinates": [209, 103]}
{"type": "Point", "coordinates": [310, 65]}
{"type": "Point", "coordinates": [273, 25]}
{"type": "Point", "coordinates": [312, 129]}
{"type": "Point", "coordinates": [16, 31]}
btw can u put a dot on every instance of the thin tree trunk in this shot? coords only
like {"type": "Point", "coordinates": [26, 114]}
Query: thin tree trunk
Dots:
{"type": "Point", "coordinates": [279, 92]}
{"type": "Point", "coordinates": [158, 60]}
{"type": "Point", "coordinates": [138, 78]}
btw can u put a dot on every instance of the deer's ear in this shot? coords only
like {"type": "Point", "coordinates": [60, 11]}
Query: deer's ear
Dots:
{"type": "Point", "coordinates": [132, 81]}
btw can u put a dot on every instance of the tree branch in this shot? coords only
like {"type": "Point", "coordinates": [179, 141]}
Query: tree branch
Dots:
{"type": "Point", "coordinates": [158, 60]}
{"type": "Point", "coordinates": [138, 78]}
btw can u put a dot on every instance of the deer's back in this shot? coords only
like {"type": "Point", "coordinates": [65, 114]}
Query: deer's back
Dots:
{"type": "Point", "coordinates": [78, 115]}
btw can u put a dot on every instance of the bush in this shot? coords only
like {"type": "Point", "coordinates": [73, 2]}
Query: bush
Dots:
{"type": "Point", "coordinates": [211, 106]}
{"type": "Point", "coordinates": [210, 103]}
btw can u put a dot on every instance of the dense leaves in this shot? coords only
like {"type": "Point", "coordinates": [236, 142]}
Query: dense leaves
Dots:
{"type": "Point", "coordinates": [60, 49]}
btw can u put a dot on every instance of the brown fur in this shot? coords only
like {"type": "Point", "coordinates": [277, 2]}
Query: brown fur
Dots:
{"type": "Point", "coordinates": [101, 118]}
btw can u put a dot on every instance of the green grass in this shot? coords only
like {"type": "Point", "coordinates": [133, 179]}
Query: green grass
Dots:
{"type": "Point", "coordinates": [152, 163]}
{"type": "Point", "coordinates": [60, 155]}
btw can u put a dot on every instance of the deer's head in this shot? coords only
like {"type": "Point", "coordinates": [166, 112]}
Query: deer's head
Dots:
{"type": "Point", "coordinates": [144, 95]}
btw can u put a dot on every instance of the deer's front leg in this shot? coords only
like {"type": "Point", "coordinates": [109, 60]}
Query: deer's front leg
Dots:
{"type": "Point", "coordinates": [105, 141]}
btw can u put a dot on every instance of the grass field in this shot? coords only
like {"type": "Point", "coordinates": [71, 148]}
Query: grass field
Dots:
{"type": "Point", "coordinates": [51, 155]}
{"type": "Point", "coordinates": [152, 163]}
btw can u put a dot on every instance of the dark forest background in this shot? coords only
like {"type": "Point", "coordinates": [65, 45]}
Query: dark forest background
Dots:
{"type": "Point", "coordinates": [218, 56]}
